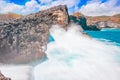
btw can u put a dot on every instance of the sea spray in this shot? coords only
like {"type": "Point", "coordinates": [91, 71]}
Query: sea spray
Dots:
{"type": "Point", "coordinates": [74, 56]}
{"type": "Point", "coordinates": [17, 72]}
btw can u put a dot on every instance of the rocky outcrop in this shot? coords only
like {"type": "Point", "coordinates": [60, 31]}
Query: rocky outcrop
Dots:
{"type": "Point", "coordinates": [107, 24]}
{"type": "Point", "coordinates": [104, 21]}
{"type": "Point", "coordinates": [93, 27]}
{"type": "Point", "coordinates": [95, 23]}
{"type": "Point", "coordinates": [81, 20]}
{"type": "Point", "coordinates": [24, 40]}
{"type": "Point", "coordinates": [2, 77]}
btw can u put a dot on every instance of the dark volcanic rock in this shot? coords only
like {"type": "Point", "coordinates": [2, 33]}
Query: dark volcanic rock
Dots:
{"type": "Point", "coordinates": [24, 40]}
{"type": "Point", "coordinates": [81, 20]}
{"type": "Point", "coordinates": [2, 77]}
{"type": "Point", "coordinates": [93, 27]}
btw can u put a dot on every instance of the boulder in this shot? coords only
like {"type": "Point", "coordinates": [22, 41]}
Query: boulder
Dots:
{"type": "Point", "coordinates": [24, 40]}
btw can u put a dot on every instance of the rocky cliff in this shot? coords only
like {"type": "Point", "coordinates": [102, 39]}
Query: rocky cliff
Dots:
{"type": "Point", "coordinates": [2, 77]}
{"type": "Point", "coordinates": [81, 20]}
{"type": "Point", "coordinates": [104, 21]}
{"type": "Point", "coordinates": [97, 22]}
{"type": "Point", "coordinates": [24, 40]}
{"type": "Point", "coordinates": [107, 24]}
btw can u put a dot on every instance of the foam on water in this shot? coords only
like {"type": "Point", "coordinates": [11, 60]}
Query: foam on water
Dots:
{"type": "Point", "coordinates": [17, 72]}
{"type": "Point", "coordinates": [74, 56]}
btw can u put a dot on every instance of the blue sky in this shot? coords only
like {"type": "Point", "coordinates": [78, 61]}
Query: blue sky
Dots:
{"type": "Point", "coordinates": [19, 2]}
{"type": "Point", "coordinates": [86, 7]}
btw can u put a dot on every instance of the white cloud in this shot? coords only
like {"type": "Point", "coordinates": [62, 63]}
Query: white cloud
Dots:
{"type": "Point", "coordinates": [71, 4]}
{"type": "Point", "coordinates": [93, 7]}
{"type": "Point", "coordinates": [45, 1]}
{"type": "Point", "coordinates": [9, 7]}
{"type": "Point", "coordinates": [29, 7]}
{"type": "Point", "coordinates": [34, 6]}
{"type": "Point", "coordinates": [96, 8]}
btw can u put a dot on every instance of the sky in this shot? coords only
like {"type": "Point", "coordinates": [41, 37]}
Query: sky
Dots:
{"type": "Point", "coordinates": [86, 7]}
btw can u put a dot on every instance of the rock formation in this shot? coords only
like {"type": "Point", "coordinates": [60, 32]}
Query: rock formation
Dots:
{"type": "Point", "coordinates": [2, 77]}
{"type": "Point", "coordinates": [95, 23]}
{"type": "Point", "coordinates": [104, 21]}
{"type": "Point", "coordinates": [24, 40]}
{"type": "Point", "coordinates": [107, 24]}
{"type": "Point", "coordinates": [81, 20]}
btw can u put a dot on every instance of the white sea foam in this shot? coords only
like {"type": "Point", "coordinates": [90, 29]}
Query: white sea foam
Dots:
{"type": "Point", "coordinates": [17, 72]}
{"type": "Point", "coordinates": [73, 56]}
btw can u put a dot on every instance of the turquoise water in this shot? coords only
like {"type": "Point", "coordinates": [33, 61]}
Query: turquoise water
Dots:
{"type": "Point", "coordinates": [51, 38]}
{"type": "Point", "coordinates": [71, 56]}
{"type": "Point", "coordinates": [111, 35]}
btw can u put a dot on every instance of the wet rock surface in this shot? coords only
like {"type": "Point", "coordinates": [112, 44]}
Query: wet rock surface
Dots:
{"type": "Point", "coordinates": [24, 40]}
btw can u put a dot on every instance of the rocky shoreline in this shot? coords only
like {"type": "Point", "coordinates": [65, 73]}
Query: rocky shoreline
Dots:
{"type": "Point", "coordinates": [95, 23]}
{"type": "Point", "coordinates": [24, 40]}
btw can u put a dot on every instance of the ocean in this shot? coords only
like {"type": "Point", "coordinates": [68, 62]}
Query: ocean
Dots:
{"type": "Point", "coordinates": [106, 34]}
{"type": "Point", "coordinates": [74, 56]}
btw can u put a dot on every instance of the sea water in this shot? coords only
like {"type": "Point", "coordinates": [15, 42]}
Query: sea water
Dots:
{"type": "Point", "coordinates": [73, 56]}
{"type": "Point", "coordinates": [106, 34]}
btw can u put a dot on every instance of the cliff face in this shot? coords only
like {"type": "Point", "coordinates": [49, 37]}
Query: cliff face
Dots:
{"type": "Point", "coordinates": [105, 21]}
{"type": "Point", "coordinates": [107, 24]}
{"type": "Point", "coordinates": [24, 40]}
{"type": "Point", "coordinates": [2, 77]}
{"type": "Point", "coordinates": [81, 20]}
{"type": "Point", "coordinates": [95, 23]}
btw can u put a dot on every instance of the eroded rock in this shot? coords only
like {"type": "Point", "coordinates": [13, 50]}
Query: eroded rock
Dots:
{"type": "Point", "coordinates": [81, 20]}
{"type": "Point", "coordinates": [107, 24]}
{"type": "Point", "coordinates": [24, 40]}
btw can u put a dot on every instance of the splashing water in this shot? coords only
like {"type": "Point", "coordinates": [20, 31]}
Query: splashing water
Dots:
{"type": "Point", "coordinates": [17, 72]}
{"type": "Point", "coordinates": [74, 56]}
{"type": "Point", "coordinates": [71, 56]}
